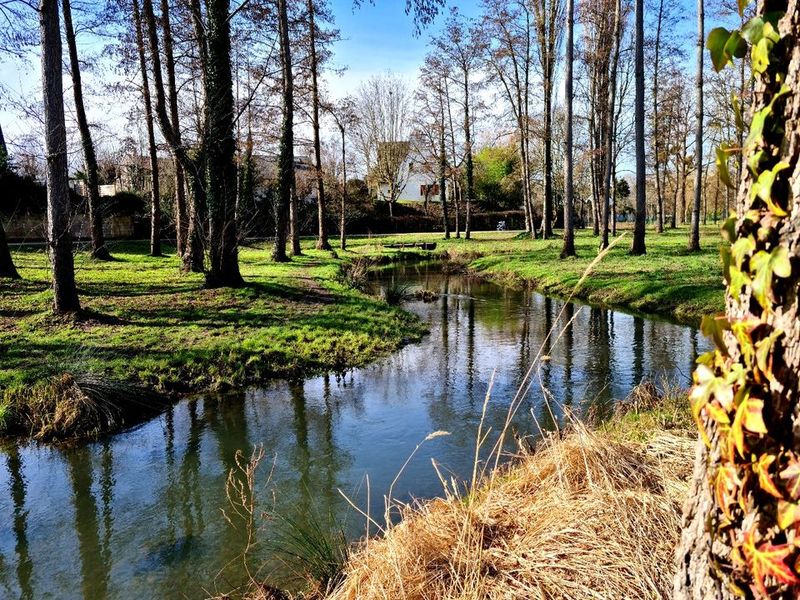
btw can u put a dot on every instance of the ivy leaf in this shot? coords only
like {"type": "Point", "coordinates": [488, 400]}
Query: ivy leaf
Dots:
{"type": "Point", "coordinates": [714, 327]}
{"type": "Point", "coordinates": [762, 188]}
{"type": "Point", "coordinates": [726, 484]}
{"type": "Point", "coordinates": [716, 43]}
{"type": "Point", "coordinates": [768, 560]}
{"type": "Point", "coordinates": [788, 514]}
{"type": "Point", "coordinates": [766, 264]}
{"type": "Point", "coordinates": [764, 352]}
{"type": "Point", "coordinates": [749, 417]}
{"type": "Point", "coordinates": [722, 166]}
{"type": "Point", "coordinates": [791, 475]}
{"type": "Point", "coordinates": [761, 468]}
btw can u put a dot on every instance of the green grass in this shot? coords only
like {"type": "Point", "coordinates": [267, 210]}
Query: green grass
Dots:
{"type": "Point", "coordinates": [668, 280]}
{"type": "Point", "coordinates": [148, 323]}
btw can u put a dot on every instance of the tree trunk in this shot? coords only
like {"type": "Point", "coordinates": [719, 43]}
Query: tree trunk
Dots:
{"type": "Point", "coordinates": [7, 268]}
{"type": "Point", "coordinates": [322, 240]}
{"type": "Point", "coordinates": [638, 246]}
{"type": "Point", "coordinates": [220, 148]}
{"type": "Point", "coordinates": [694, 234]}
{"type": "Point", "coordinates": [706, 562]}
{"type": "Point", "coordinates": [569, 210]}
{"type": "Point", "coordinates": [294, 224]}
{"type": "Point", "coordinates": [342, 218]}
{"type": "Point", "coordinates": [59, 239]}
{"type": "Point", "coordinates": [547, 201]}
{"type": "Point", "coordinates": [469, 163]}
{"type": "Point", "coordinates": [609, 149]}
{"type": "Point", "coordinates": [155, 193]}
{"type": "Point", "coordinates": [442, 176]}
{"type": "Point", "coordinates": [181, 213]}
{"type": "Point", "coordinates": [99, 249]}
{"type": "Point", "coordinates": [656, 128]}
{"type": "Point", "coordinates": [286, 153]}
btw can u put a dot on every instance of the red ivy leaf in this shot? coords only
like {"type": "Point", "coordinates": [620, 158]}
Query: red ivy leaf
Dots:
{"type": "Point", "coordinates": [764, 477]}
{"type": "Point", "coordinates": [768, 560]}
{"type": "Point", "coordinates": [791, 474]}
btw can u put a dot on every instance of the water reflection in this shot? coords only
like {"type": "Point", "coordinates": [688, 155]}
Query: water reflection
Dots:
{"type": "Point", "coordinates": [139, 515]}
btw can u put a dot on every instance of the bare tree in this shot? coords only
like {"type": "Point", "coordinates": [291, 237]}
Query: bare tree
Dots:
{"type": "Point", "coordinates": [7, 268]}
{"type": "Point", "coordinates": [609, 149]}
{"type": "Point", "coordinates": [638, 246]}
{"type": "Point", "coordinates": [286, 152]}
{"type": "Point", "coordinates": [344, 116]}
{"type": "Point", "coordinates": [59, 239]}
{"type": "Point", "coordinates": [569, 212]}
{"type": "Point", "coordinates": [99, 248]}
{"type": "Point", "coordinates": [549, 31]}
{"type": "Point", "coordinates": [694, 234]}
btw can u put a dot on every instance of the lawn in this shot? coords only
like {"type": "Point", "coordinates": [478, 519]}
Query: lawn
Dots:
{"type": "Point", "coordinates": [667, 281]}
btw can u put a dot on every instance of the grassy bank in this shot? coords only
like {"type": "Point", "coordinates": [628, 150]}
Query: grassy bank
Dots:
{"type": "Point", "coordinates": [668, 280]}
{"type": "Point", "coordinates": [155, 329]}
{"type": "Point", "coordinates": [592, 514]}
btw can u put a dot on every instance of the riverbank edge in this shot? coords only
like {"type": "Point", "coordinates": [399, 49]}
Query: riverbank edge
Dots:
{"type": "Point", "coordinates": [70, 408]}
{"type": "Point", "coordinates": [605, 498]}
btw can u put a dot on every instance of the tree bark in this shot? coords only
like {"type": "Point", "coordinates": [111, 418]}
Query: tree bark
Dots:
{"type": "Point", "coordinates": [704, 559]}
{"type": "Point", "coordinates": [470, 164]}
{"type": "Point", "coordinates": [442, 173]}
{"type": "Point", "coordinates": [181, 216]}
{"type": "Point", "coordinates": [155, 192]}
{"type": "Point", "coordinates": [569, 211]}
{"type": "Point", "coordinates": [59, 239]}
{"type": "Point", "coordinates": [7, 268]}
{"type": "Point", "coordinates": [694, 235]}
{"type": "Point", "coordinates": [322, 239]}
{"type": "Point", "coordinates": [286, 152]}
{"type": "Point", "coordinates": [99, 248]}
{"type": "Point", "coordinates": [656, 123]}
{"type": "Point", "coordinates": [638, 246]}
{"type": "Point", "coordinates": [342, 217]}
{"type": "Point", "coordinates": [609, 147]}
{"type": "Point", "coordinates": [220, 150]}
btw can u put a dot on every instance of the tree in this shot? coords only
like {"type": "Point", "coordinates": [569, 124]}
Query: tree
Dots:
{"type": "Point", "coordinates": [344, 116]}
{"type": "Point", "coordinates": [569, 212]}
{"type": "Point", "coordinates": [549, 17]}
{"type": "Point", "coordinates": [59, 239]}
{"type": "Point", "coordinates": [286, 151]}
{"type": "Point", "coordinates": [694, 233]}
{"type": "Point", "coordinates": [638, 246]}
{"type": "Point", "coordinates": [155, 193]}
{"type": "Point", "coordinates": [7, 268]}
{"type": "Point", "coordinates": [383, 104]}
{"type": "Point", "coordinates": [609, 149]}
{"type": "Point", "coordinates": [322, 239]}
{"type": "Point", "coordinates": [99, 248]}
{"type": "Point", "coordinates": [741, 515]}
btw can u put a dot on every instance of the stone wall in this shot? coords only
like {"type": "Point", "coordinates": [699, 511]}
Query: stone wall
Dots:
{"type": "Point", "coordinates": [31, 228]}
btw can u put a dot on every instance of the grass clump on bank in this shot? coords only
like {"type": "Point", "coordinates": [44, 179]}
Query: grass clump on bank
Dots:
{"type": "Point", "coordinates": [146, 324]}
{"type": "Point", "coordinates": [668, 280]}
{"type": "Point", "coordinates": [593, 515]}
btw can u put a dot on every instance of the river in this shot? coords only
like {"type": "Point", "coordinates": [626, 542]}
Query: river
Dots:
{"type": "Point", "coordinates": [139, 515]}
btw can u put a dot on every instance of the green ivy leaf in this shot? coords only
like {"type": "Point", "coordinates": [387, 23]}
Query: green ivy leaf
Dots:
{"type": "Point", "coordinates": [722, 167]}
{"type": "Point", "coordinates": [759, 55]}
{"type": "Point", "coordinates": [762, 188]}
{"type": "Point", "coordinates": [716, 43]}
{"type": "Point", "coordinates": [714, 327]}
{"type": "Point", "coordinates": [764, 265]}
{"type": "Point", "coordinates": [729, 228]}
{"type": "Point", "coordinates": [736, 105]}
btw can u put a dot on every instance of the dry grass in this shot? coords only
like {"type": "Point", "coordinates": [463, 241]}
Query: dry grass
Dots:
{"type": "Point", "coordinates": [592, 515]}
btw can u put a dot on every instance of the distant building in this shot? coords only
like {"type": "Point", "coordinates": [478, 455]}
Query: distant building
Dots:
{"type": "Point", "coordinates": [416, 182]}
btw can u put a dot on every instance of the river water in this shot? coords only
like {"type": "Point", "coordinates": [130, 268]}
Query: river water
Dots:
{"type": "Point", "coordinates": [139, 515]}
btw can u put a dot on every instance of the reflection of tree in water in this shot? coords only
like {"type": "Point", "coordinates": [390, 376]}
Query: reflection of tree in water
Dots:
{"type": "Point", "coordinates": [95, 568]}
{"type": "Point", "coordinates": [598, 362]}
{"type": "Point", "coordinates": [567, 345]}
{"type": "Point", "coordinates": [637, 369]}
{"type": "Point", "coordinates": [20, 526]}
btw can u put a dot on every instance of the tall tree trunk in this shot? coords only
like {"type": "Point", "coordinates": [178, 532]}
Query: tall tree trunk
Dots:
{"type": "Point", "coordinates": [443, 174]}
{"type": "Point", "coordinates": [694, 234]}
{"type": "Point", "coordinates": [569, 211]}
{"type": "Point", "coordinates": [322, 240]}
{"type": "Point", "coordinates": [181, 213]}
{"type": "Point", "coordinates": [656, 123]}
{"type": "Point", "coordinates": [7, 268]}
{"type": "Point", "coordinates": [765, 315]}
{"type": "Point", "coordinates": [59, 238]}
{"type": "Point", "coordinates": [220, 148]}
{"type": "Point", "coordinates": [155, 192]}
{"type": "Point", "coordinates": [286, 153]}
{"type": "Point", "coordinates": [294, 224]}
{"type": "Point", "coordinates": [99, 249]}
{"type": "Point", "coordinates": [638, 245]}
{"type": "Point", "coordinates": [342, 217]}
{"type": "Point", "coordinates": [469, 162]}
{"type": "Point", "coordinates": [547, 201]}
{"type": "Point", "coordinates": [609, 148]}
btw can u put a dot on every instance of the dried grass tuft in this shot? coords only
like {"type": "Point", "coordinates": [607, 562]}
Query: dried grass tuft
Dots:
{"type": "Point", "coordinates": [584, 517]}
